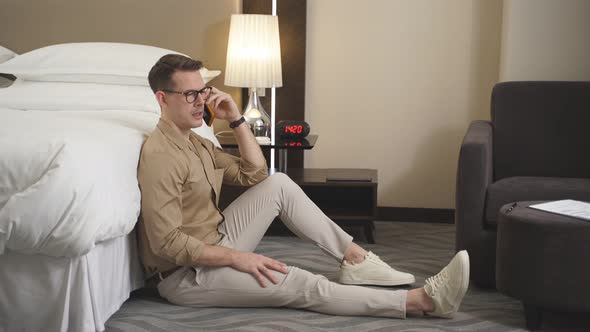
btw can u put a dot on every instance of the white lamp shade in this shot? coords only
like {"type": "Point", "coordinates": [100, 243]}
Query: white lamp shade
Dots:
{"type": "Point", "coordinates": [253, 52]}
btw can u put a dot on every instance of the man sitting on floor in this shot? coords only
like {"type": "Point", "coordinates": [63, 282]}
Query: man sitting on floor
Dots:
{"type": "Point", "coordinates": [203, 257]}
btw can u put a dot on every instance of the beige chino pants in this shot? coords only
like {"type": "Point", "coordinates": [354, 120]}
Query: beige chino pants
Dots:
{"type": "Point", "coordinates": [246, 221]}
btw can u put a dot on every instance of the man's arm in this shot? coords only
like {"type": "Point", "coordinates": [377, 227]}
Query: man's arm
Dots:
{"type": "Point", "coordinates": [226, 109]}
{"type": "Point", "coordinates": [248, 146]}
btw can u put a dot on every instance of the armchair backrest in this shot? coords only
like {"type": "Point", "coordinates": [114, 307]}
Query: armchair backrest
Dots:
{"type": "Point", "coordinates": [541, 129]}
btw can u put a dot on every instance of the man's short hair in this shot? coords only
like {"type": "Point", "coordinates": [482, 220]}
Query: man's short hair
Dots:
{"type": "Point", "coordinates": [160, 76]}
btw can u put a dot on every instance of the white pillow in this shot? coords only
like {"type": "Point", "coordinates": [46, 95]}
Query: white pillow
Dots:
{"type": "Point", "coordinates": [208, 75]}
{"type": "Point", "coordinates": [57, 96]}
{"type": "Point", "coordinates": [108, 63]}
{"type": "Point", "coordinates": [207, 132]}
{"type": "Point", "coordinates": [60, 96]}
{"type": "Point", "coordinates": [6, 54]}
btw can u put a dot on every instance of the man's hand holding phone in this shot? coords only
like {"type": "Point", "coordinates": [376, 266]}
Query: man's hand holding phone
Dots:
{"type": "Point", "coordinates": [223, 106]}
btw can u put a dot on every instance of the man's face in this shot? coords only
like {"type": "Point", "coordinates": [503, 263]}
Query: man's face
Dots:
{"type": "Point", "coordinates": [186, 115]}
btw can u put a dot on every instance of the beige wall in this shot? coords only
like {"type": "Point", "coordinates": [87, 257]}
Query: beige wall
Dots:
{"type": "Point", "coordinates": [198, 28]}
{"type": "Point", "coordinates": [546, 40]}
{"type": "Point", "coordinates": [393, 85]}
{"type": "Point", "coordinates": [404, 77]}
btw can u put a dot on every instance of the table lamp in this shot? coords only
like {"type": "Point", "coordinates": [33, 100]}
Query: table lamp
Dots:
{"type": "Point", "coordinates": [254, 61]}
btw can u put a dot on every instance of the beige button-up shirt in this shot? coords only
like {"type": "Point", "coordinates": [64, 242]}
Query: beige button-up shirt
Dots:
{"type": "Point", "coordinates": [180, 181]}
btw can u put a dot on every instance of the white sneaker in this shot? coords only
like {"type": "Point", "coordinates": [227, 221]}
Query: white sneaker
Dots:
{"type": "Point", "coordinates": [448, 287]}
{"type": "Point", "coordinates": [373, 271]}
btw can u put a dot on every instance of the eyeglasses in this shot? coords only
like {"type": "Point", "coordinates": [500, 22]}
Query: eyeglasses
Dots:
{"type": "Point", "coordinates": [191, 95]}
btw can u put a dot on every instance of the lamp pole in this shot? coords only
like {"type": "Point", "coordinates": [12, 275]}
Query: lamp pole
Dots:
{"type": "Point", "coordinates": [273, 106]}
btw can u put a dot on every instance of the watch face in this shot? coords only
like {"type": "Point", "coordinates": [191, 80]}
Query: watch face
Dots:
{"type": "Point", "coordinates": [292, 129]}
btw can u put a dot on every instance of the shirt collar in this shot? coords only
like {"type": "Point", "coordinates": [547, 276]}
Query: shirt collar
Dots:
{"type": "Point", "coordinates": [172, 134]}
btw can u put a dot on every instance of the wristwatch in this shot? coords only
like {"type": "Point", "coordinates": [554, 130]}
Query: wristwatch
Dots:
{"type": "Point", "coordinates": [236, 123]}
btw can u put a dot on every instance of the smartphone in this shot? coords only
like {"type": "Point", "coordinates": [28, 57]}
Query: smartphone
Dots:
{"type": "Point", "coordinates": [208, 114]}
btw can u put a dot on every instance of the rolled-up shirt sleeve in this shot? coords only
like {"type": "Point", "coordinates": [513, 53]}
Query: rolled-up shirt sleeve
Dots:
{"type": "Point", "coordinates": [239, 171]}
{"type": "Point", "coordinates": [161, 179]}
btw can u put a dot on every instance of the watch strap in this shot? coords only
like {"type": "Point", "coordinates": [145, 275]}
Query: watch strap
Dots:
{"type": "Point", "coordinates": [236, 123]}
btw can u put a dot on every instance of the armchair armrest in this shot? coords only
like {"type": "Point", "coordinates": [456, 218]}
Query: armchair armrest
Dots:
{"type": "Point", "coordinates": [474, 174]}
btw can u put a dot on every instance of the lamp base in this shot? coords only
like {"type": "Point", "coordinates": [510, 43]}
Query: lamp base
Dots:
{"type": "Point", "coordinates": [263, 140]}
{"type": "Point", "coordinates": [256, 117]}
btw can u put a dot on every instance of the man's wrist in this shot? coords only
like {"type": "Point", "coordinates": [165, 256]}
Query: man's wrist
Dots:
{"type": "Point", "coordinates": [233, 257]}
{"type": "Point", "coordinates": [235, 118]}
{"type": "Point", "coordinates": [237, 122]}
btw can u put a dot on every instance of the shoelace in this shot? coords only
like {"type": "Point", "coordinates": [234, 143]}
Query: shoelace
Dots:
{"type": "Point", "coordinates": [438, 280]}
{"type": "Point", "coordinates": [369, 257]}
{"type": "Point", "coordinates": [375, 259]}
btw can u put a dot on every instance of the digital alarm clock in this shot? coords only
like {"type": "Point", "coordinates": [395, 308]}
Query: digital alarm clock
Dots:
{"type": "Point", "coordinates": [292, 129]}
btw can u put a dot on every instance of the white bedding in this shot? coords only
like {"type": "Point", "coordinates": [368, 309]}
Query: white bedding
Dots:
{"type": "Point", "coordinates": [69, 178]}
{"type": "Point", "coordinates": [68, 163]}
{"type": "Point", "coordinates": [69, 149]}
{"type": "Point", "coordinates": [42, 293]}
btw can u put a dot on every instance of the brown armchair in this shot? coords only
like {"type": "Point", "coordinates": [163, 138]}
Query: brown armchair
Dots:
{"type": "Point", "coordinates": [536, 147]}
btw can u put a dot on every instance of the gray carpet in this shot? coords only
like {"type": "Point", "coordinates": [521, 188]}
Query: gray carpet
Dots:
{"type": "Point", "coordinates": [420, 248]}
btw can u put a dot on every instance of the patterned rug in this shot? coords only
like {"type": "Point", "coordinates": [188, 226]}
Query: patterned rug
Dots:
{"type": "Point", "coordinates": [420, 248]}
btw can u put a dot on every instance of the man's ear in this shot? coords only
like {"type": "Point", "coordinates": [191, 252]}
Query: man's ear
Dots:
{"type": "Point", "coordinates": [161, 98]}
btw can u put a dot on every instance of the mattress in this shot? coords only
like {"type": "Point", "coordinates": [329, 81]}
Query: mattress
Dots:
{"type": "Point", "coordinates": [43, 293]}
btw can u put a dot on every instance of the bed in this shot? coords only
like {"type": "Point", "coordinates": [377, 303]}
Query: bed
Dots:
{"type": "Point", "coordinates": [71, 130]}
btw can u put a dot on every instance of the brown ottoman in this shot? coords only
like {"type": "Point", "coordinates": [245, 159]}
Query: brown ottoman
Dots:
{"type": "Point", "coordinates": [543, 260]}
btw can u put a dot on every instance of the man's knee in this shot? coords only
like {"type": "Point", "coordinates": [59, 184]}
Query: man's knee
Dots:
{"type": "Point", "coordinates": [281, 186]}
{"type": "Point", "coordinates": [280, 179]}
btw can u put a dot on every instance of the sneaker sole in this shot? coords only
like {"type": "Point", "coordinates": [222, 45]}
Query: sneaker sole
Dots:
{"type": "Point", "coordinates": [464, 257]}
{"type": "Point", "coordinates": [398, 282]}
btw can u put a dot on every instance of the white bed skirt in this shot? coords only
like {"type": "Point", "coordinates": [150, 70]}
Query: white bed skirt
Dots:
{"type": "Point", "coordinates": [42, 293]}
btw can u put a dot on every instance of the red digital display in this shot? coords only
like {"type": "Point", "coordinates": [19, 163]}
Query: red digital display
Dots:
{"type": "Point", "coordinates": [295, 129]}
{"type": "Point", "coordinates": [292, 129]}
{"type": "Point", "coordinates": [293, 144]}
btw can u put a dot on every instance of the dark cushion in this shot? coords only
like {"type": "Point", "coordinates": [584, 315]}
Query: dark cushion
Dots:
{"type": "Point", "coordinates": [541, 129]}
{"type": "Point", "coordinates": [523, 188]}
